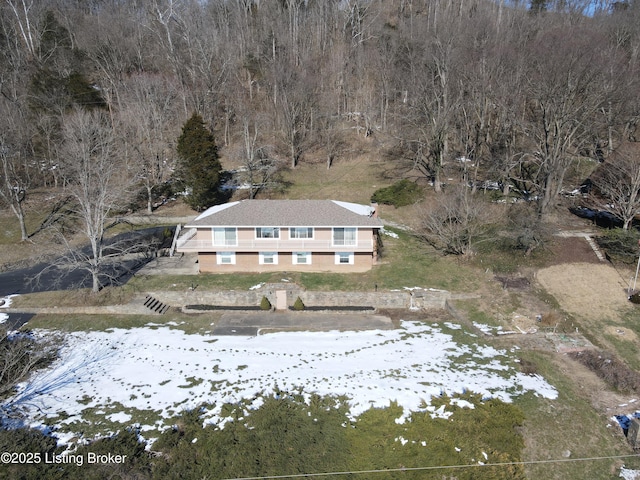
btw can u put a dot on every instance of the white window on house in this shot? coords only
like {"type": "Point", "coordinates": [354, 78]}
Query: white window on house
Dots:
{"type": "Point", "coordinates": [226, 258]}
{"type": "Point", "coordinates": [268, 258]}
{"type": "Point", "coordinates": [225, 236]}
{"type": "Point", "coordinates": [301, 232]}
{"type": "Point", "coordinates": [344, 237]}
{"type": "Point", "coordinates": [302, 258]}
{"type": "Point", "coordinates": [267, 232]}
{"type": "Point", "coordinates": [344, 258]}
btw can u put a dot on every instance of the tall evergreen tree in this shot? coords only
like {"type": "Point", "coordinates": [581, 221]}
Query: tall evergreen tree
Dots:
{"type": "Point", "coordinates": [199, 166]}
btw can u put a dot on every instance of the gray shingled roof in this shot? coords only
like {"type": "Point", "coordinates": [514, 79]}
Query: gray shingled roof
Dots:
{"type": "Point", "coordinates": [285, 213]}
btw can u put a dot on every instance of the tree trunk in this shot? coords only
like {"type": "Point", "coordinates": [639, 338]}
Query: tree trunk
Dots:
{"type": "Point", "coordinates": [19, 212]}
{"type": "Point", "coordinates": [96, 283]}
{"type": "Point", "coordinates": [149, 198]}
{"type": "Point", "coordinates": [294, 156]}
{"type": "Point", "coordinates": [23, 227]}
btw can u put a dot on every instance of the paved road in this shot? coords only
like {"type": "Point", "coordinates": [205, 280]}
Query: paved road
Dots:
{"type": "Point", "coordinates": [21, 281]}
{"type": "Point", "coordinates": [117, 273]}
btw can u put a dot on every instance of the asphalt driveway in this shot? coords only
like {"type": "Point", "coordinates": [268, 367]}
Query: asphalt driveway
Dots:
{"type": "Point", "coordinates": [264, 322]}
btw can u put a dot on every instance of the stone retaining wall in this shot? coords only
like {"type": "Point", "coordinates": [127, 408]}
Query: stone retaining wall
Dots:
{"type": "Point", "coordinates": [417, 298]}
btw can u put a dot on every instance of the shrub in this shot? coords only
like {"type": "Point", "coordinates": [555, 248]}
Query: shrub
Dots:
{"type": "Point", "coordinates": [265, 304]}
{"type": "Point", "coordinates": [284, 434]}
{"type": "Point", "coordinates": [399, 194]}
{"type": "Point", "coordinates": [31, 442]}
{"type": "Point", "coordinates": [528, 367]}
{"type": "Point", "coordinates": [456, 220]}
{"type": "Point", "coordinates": [526, 229]}
{"type": "Point", "coordinates": [298, 305]}
{"type": "Point", "coordinates": [620, 244]}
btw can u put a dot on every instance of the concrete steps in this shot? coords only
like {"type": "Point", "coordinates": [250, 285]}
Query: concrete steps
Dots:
{"type": "Point", "coordinates": [155, 305]}
{"type": "Point", "coordinates": [595, 248]}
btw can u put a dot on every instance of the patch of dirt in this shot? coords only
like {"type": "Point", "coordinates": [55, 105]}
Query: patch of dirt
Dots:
{"type": "Point", "coordinates": [621, 333]}
{"type": "Point", "coordinates": [572, 250]}
{"type": "Point", "coordinates": [513, 282]}
{"type": "Point", "coordinates": [589, 290]}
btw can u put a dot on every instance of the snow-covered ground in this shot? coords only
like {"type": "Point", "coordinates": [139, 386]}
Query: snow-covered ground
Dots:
{"type": "Point", "coordinates": [163, 369]}
{"type": "Point", "coordinates": [5, 303]}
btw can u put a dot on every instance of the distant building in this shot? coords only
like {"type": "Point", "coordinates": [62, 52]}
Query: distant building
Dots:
{"type": "Point", "coordinates": [285, 235]}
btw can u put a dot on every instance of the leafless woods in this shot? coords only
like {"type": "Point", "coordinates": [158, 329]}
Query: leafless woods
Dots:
{"type": "Point", "coordinates": [521, 89]}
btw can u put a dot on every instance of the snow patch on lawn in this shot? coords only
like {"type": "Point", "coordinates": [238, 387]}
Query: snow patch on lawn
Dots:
{"type": "Point", "coordinates": [168, 371]}
{"type": "Point", "coordinates": [120, 417]}
{"type": "Point", "coordinates": [629, 474]}
{"type": "Point", "coordinates": [389, 233]}
{"type": "Point", "coordinates": [5, 302]}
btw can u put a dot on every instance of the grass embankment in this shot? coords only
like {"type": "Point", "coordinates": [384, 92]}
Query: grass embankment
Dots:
{"type": "Point", "coordinates": [190, 324]}
{"type": "Point", "coordinates": [622, 332]}
{"type": "Point", "coordinates": [569, 428]}
{"type": "Point", "coordinates": [349, 180]}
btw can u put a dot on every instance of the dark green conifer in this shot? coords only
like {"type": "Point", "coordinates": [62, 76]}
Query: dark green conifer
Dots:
{"type": "Point", "coordinates": [199, 167]}
{"type": "Point", "coordinates": [298, 305]}
{"type": "Point", "coordinates": [265, 304]}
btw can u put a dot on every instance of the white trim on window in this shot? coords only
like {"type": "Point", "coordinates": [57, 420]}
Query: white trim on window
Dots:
{"type": "Point", "coordinates": [268, 258]}
{"type": "Point", "coordinates": [226, 258]}
{"type": "Point", "coordinates": [224, 237]}
{"type": "Point", "coordinates": [344, 236]}
{"type": "Point", "coordinates": [301, 233]}
{"type": "Point", "coordinates": [301, 258]}
{"type": "Point", "coordinates": [267, 232]}
{"type": "Point", "coordinates": [344, 258]}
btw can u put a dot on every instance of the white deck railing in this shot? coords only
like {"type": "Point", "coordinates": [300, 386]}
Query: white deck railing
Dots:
{"type": "Point", "coordinates": [274, 245]}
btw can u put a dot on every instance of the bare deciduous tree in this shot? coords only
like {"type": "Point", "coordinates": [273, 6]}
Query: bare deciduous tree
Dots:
{"type": "Point", "coordinates": [20, 355]}
{"type": "Point", "coordinates": [562, 100]}
{"type": "Point", "coordinates": [25, 16]}
{"type": "Point", "coordinates": [146, 127]}
{"type": "Point", "coordinates": [618, 180]}
{"type": "Point", "coordinates": [259, 165]}
{"type": "Point", "coordinates": [456, 220]}
{"type": "Point", "coordinates": [434, 98]}
{"type": "Point", "coordinates": [97, 179]}
{"type": "Point", "coordinates": [15, 180]}
{"type": "Point", "coordinates": [294, 112]}
{"type": "Point", "coordinates": [13, 184]}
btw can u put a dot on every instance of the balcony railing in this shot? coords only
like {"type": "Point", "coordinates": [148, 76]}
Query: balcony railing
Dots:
{"type": "Point", "coordinates": [276, 245]}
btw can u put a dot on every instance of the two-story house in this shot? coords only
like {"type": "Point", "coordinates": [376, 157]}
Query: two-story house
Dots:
{"type": "Point", "coordinates": [284, 235]}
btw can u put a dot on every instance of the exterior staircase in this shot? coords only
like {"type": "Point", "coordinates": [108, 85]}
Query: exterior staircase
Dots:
{"type": "Point", "coordinates": [155, 305]}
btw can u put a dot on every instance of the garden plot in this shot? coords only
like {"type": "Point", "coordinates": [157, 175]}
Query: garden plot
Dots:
{"type": "Point", "coordinates": [148, 375]}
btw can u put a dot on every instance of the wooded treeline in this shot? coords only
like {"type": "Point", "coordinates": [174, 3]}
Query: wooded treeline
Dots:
{"type": "Point", "coordinates": [519, 88]}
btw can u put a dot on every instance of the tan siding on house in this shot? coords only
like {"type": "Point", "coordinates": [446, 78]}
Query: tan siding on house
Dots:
{"type": "Point", "coordinates": [322, 241]}
{"type": "Point", "coordinates": [204, 235]}
{"type": "Point", "coordinates": [320, 215]}
{"type": "Point", "coordinates": [320, 262]}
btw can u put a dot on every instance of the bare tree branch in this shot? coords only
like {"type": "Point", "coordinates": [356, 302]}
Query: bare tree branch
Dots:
{"type": "Point", "coordinates": [456, 220]}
